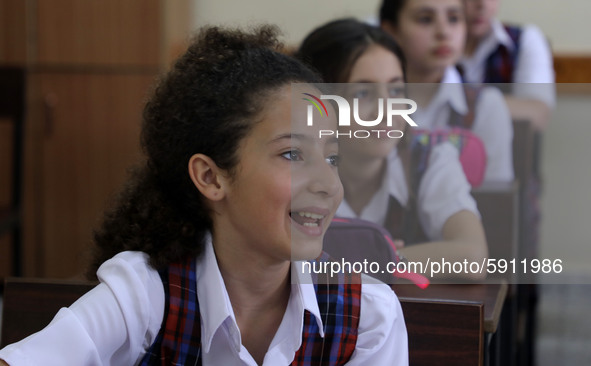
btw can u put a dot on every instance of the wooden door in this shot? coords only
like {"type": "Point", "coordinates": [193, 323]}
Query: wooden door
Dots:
{"type": "Point", "coordinates": [87, 131]}
{"type": "Point", "coordinates": [98, 32]}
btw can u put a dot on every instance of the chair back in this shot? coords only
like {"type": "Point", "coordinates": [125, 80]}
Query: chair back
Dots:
{"type": "Point", "coordinates": [30, 304]}
{"type": "Point", "coordinates": [444, 332]}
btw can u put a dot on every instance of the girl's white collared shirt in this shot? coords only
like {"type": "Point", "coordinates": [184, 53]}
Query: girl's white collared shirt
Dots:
{"type": "Point", "coordinates": [443, 191]}
{"type": "Point", "coordinates": [119, 319]}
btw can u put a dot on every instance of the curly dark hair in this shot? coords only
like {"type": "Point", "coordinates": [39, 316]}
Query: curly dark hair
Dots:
{"type": "Point", "coordinates": [206, 104]}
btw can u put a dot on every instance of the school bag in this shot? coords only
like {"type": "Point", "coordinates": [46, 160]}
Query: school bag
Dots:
{"type": "Point", "coordinates": [358, 241]}
{"type": "Point", "coordinates": [471, 149]}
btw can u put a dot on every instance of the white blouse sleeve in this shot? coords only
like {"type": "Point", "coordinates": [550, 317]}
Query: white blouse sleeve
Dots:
{"type": "Point", "coordinates": [382, 338]}
{"type": "Point", "coordinates": [443, 191]}
{"type": "Point", "coordinates": [534, 70]}
{"type": "Point", "coordinates": [494, 126]}
{"type": "Point", "coordinates": [113, 324]}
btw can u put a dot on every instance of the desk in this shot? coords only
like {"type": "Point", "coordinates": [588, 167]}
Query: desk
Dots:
{"type": "Point", "coordinates": [450, 324]}
{"type": "Point", "coordinates": [492, 296]}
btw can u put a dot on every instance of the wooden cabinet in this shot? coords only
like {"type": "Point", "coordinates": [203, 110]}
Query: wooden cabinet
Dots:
{"type": "Point", "coordinates": [90, 66]}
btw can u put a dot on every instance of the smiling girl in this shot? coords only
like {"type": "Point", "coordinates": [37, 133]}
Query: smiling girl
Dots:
{"type": "Point", "coordinates": [196, 257]}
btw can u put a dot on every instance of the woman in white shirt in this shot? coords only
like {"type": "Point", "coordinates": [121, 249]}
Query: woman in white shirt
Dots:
{"type": "Point", "coordinates": [431, 34]}
{"type": "Point", "coordinates": [200, 261]}
{"type": "Point", "coordinates": [377, 172]}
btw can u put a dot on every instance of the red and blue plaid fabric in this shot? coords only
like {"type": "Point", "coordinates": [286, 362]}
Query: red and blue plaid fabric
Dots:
{"type": "Point", "coordinates": [179, 339]}
{"type": "Point", "coordinates": [339, 301]}
{"type": "Point", "coordinates": [501, 63]}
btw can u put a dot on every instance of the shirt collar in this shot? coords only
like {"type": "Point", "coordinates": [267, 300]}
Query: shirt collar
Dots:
{"type": "Point", "coordinates": [451, 91]}
{"type": "Point", "coordinates": [304, 295]}
{"type": "Point", "coordinates": [497, 36]}
{"type": "Point", "coordinates": [214, 302]}
{"type": "Point", "coordinates": [395, 181]}
{"type": "Point", "coordinates": [393, 184]}
{"type": "Point", "coordinates": [500, 34]}
{"type": "Point", "coordinates": [216, 309]}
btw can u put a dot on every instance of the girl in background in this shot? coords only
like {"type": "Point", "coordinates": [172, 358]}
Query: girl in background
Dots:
{"type": "Point", "coordinates": [436, 212]}
{"type": "Point", "coordinates": [431, 34]}
{"type": "Point", "coordinates": [499, 53]}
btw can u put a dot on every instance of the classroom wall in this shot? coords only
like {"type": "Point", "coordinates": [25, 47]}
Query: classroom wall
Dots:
{"type": "Point", "coordinates": [565, 22]}
{"type": "Point", "coordinates": [296, 18]}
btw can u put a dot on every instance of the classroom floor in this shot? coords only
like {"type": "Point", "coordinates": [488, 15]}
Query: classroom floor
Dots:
{"type": "Point", "coordinates": [564, 325]}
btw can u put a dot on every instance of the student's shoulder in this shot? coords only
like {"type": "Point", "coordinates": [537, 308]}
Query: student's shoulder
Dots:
{"type": "Point", "coordinates": [380, 308]}
{"type": "Point", "coordinates": [376, 293]}
{"type": "Point", "coordinates": [128, 259]}
{"type": "Point", "coordinates": [531, 31]}
{"type": "Point", "coordinates": [129, 267]}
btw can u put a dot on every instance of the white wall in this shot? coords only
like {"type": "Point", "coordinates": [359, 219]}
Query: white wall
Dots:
{"type": "Point", "coordinates": [296, 18]}
{"type": "Point", "coordinates": [566, 23]}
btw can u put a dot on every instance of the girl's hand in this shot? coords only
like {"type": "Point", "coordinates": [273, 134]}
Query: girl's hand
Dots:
{"type": "Point", "coordinates": [399, 244]}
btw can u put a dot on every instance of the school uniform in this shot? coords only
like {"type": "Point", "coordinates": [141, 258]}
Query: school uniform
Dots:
{"type": "Point", "coordinates": [519, 55]}
{"type": "Point", "coordinates": [118, 321]}
{"type": "Point", "coordinates": [492, 121]}
{"type": "Point", "coordinates": [443, 191]}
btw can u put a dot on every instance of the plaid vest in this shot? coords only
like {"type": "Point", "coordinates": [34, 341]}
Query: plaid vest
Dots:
{"type": "Point", "coordinates": [501, 63]}
{"type": "Point", "coordinates": [179, 339]}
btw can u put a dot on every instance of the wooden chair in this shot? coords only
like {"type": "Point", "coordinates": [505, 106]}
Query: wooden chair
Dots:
{"type": "Point", "coordinates": [526, 161]}
{"type": "Point", "coordinates": [444, 332]}
{"type": "Point", "coordinates": [498, 203]}
{"type": "Point", "coordinates": [30, 304]}
{"type": "Point", "coordinates": [12, 109]}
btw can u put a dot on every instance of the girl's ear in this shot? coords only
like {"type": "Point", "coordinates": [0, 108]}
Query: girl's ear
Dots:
{"type": "Point", "coordinates": [207, 177]}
